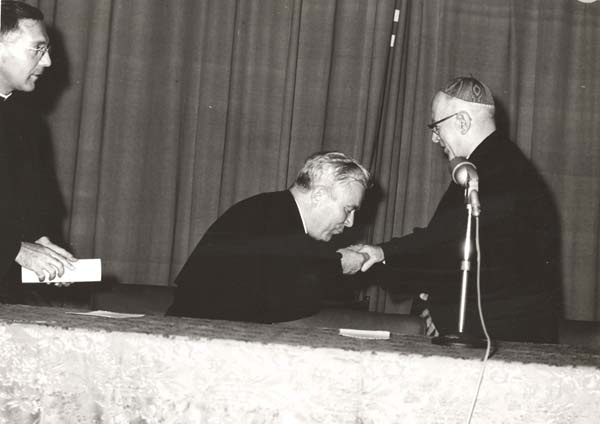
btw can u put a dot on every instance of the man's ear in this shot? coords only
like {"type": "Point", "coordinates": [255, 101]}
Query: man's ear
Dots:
{"type": "Point", "coordinates": [464, 122]}
{"type": "Point", "coordinates": [316, 195]}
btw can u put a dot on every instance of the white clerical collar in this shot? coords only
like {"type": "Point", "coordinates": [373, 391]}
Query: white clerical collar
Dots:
{"type": "Point", "coordinates": [301, 217]}
{"type": "Point", "coordinates": [5, 96]}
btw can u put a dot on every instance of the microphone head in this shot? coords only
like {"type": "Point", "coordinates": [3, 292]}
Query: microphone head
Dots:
{"type": "Point", "coordinates": [462, 171]}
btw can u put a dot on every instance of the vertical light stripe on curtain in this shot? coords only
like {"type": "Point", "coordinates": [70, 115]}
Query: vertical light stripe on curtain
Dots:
{"type": "Point", "coordinates": [409, 171]}
{"type": "Point", "coordinates": [541, 60]}
{"type": "Point", "coordinates": [173, 110]}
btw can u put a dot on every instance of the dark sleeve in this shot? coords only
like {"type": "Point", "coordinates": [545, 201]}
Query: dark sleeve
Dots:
{"type": "Point", "coordinates": [10, 240]}
{"type": "Point", "coordinates": [10, 228]}
{"type": "Point", "coordinates": [428, 257]}
{"type": "Point", "coordinates": [433, 264]}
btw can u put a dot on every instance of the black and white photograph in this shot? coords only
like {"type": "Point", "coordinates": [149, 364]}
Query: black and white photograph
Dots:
{"type": "Point", "coordinates": [299, 211]}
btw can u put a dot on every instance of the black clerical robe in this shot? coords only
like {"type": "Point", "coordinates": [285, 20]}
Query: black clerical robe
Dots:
{"type": "Point", "coordinates": [23, 186]}
{"type": "Point", "coordinates": [255, 263]}
{"type": "Point", "coordinates": [519, 246]}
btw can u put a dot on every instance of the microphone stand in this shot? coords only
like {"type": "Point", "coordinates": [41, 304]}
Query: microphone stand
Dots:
{"type": "Point", "coordinates": [461, 338]}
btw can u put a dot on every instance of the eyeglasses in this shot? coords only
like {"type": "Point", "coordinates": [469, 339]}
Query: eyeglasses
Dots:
{"type": "Point", "coordinates": [39, 51]}
{"type": "Point", "coordinates": [434, 125]}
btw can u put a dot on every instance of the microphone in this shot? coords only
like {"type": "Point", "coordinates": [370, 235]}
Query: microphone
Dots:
{"type": "Point", "coordinates": [464, 173]}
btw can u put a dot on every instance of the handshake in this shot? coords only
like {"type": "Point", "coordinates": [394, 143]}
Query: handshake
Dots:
{"type": "Point", "coordinates": [360, 257]}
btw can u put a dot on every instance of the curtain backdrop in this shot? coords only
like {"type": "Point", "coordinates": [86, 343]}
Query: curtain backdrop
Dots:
{"type": "Point", "coordinates": [164, 113]}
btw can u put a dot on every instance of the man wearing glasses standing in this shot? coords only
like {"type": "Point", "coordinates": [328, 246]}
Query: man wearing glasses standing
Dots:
{"type": "Point", "coordinates": [24, 55]}
{"type": "Point", "coordinates": [518, 231]}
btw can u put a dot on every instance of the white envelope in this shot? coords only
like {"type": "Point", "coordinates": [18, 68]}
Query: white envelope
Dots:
{"type": "Point", "coordinates": [365, 334]}
{"type": "Point", "coordinates": [85, 270]}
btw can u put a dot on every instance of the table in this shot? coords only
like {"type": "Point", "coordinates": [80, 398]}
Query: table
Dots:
{"type": "Point", "coordinates": [62, 368]}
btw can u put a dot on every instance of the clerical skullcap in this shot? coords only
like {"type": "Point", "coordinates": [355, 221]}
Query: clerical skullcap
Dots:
{"type": "Point", "coordinates": [470, 90]}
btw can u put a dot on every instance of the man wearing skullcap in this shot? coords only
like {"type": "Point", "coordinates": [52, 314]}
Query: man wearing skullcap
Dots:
{"type": "Point", "coordinates": [518, 228]}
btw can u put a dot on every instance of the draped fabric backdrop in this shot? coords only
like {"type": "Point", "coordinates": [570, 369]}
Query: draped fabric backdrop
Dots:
{"type": "Point", "coordinates": [164, 113]}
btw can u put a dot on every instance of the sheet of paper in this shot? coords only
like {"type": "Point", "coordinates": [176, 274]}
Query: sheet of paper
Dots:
{"type": "Point", "coordinates": [365, 334]}
{"type": "Point", "coordinates": [86, 270]}
{"type": "Point", "coordinates": [107, 314]}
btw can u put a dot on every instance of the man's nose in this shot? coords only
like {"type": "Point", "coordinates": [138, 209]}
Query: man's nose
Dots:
{"type": "Point", "coordinates": [45, 61]}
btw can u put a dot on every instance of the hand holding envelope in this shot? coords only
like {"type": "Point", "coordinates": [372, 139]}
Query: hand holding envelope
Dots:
{"type": "Point", "coordinates": [84, 270]}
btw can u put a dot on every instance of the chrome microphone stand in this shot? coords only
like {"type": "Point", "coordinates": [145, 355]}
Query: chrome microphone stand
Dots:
{"type": "Point", "coordinates": [461, 338]}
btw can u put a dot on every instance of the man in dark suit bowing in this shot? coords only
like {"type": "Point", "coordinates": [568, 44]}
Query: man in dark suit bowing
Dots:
{"type": "Point", "coordinates": [269, 258]}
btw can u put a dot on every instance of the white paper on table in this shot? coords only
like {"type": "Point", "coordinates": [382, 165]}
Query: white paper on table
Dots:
{"type": "Point", "coordinates": [86, 270]}
{"type": "Point", "coordinates": [107, 314]}
{"type": "Point", "coordinates": [365, 334]}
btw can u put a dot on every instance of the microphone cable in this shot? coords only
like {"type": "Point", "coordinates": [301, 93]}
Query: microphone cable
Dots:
{"type": "Point", "coordinates": [487, 336]}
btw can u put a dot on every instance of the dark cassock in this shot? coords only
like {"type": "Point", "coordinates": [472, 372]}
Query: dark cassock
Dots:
{"type": "Point", "coordinates": [27, 209]}
{"type": "Point", "coordinates": [520, 272]}
{"type": "Point", "coordinates": [256, 263]}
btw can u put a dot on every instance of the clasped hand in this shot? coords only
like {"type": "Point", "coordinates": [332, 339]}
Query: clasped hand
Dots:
{"type": "Point", "coordinates": [46, 259]}
{"type": "Point", "coordinates": [360, 257]}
